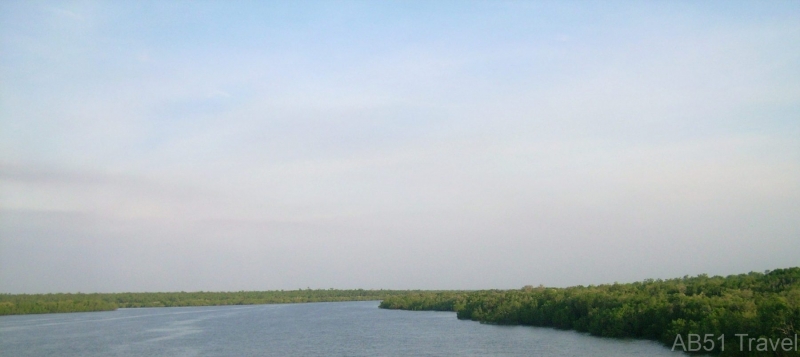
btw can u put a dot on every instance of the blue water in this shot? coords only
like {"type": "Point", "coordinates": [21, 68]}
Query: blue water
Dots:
{"type": "Point", "coordinates": [317, 329]}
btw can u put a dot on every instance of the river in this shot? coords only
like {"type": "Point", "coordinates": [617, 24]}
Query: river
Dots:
{"type": "Point", "coordinates": [314, 329]}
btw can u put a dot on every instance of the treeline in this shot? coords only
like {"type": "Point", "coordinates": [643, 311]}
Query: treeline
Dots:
{"type": "Point", "coordinates": [759, 305]}
{"type": "Point", "coordinates": [430, 301]}
{"type": "Point", "coordinates": [51, 303]}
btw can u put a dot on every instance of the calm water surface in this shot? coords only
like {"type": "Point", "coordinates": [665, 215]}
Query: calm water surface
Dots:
{"type": "Point", "coordinates": [317, 329]}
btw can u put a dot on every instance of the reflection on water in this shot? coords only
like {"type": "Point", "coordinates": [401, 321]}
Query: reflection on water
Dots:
{"type": "Point", "coordinates": [317, 329]}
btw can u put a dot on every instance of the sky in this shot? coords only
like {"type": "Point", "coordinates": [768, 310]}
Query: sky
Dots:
{"type": "Point", "coordinates": [238, 145]}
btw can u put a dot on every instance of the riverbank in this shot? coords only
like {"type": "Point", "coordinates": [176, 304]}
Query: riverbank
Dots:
{"type": "Point", "coordinates": [20, 304]}
{"type": "Point", "coordinates": [760, 305]}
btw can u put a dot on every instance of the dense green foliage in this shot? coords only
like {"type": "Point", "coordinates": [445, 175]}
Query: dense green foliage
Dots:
{"type": "Point", "coordinates": [430, 301]}
{"type": "Point", "coordinates": [760, 305]}
{"type": "Point", "coordinates": [49, 303]}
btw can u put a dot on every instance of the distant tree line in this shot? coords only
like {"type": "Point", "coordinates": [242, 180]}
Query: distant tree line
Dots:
{"type": "Point", "coordinates": [16, 304]}
{"type": "Point", "coordinates": [52, 303]}
{"type": "Point", "coordinates": [760, 305]}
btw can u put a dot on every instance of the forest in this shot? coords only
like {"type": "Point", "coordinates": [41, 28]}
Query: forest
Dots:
{"type": "Point", "coordinates": [53, 303]}
{"type": "Point", "coordinates": [764, 306]}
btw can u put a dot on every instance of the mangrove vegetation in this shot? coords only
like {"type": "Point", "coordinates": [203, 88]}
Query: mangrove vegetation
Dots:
{"type": "Point", "coordinates": [755, 313]}
{"type": "Point", "coordinates": [53, 303]}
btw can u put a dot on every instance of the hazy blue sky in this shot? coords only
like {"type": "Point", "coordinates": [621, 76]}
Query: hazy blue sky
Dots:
{"type": "Point", "coordinates": [167, 146]}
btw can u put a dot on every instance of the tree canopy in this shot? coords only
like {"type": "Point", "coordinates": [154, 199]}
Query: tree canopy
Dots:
{"type": "Point", "coordinates": [761, 305]}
